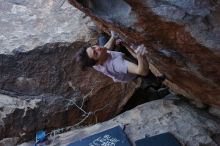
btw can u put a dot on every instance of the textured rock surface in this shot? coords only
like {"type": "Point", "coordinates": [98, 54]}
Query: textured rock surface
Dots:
{"type": "Point", "coordinates": [192, 127]}
{"type": "Point", "coordinates": [43, 87]}
{"type": "Point", "coordinates": [40, 85]}
{"type": "Point", "coordinates": [183, 38]}
{"type": "Point", "coordinates": [26, 24]}
{"type": "Point", "coordinates": [214, 111]}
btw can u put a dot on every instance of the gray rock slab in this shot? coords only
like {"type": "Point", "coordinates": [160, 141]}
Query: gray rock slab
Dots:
{"type": "Point", "coordinates": [25, 24]}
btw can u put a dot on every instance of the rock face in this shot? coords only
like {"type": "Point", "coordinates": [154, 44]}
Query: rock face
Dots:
{"type": "Point", "coordinates": [183, 39]}
{"type": "Point", "coordinates": [41, 87]}
{"type": "Point", "coordinates": [192, 127]}
{"type": "Point", "coordinates": [45, 89]}
{"type": "Point", "coordinates": [26, 24]}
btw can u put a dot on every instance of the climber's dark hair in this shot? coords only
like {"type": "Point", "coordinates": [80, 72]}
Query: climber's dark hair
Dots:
{"type": "Point", "coordinates": [83, 59]}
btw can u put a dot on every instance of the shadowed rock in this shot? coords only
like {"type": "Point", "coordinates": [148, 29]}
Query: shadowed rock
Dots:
{"type": "Point", "coordinates": [45, 89]}
{"type": "Point", "coordinates": [191, 127]}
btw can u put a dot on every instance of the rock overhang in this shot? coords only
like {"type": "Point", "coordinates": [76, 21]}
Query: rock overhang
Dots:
{"type": "Point", "coordinates": [182, 38]}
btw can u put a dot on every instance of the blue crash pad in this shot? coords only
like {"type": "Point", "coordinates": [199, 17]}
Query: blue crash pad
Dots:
{"type": "Point", "coordinates": [165, 139]}
{"type": "Point", "coordinates": [110, 137]}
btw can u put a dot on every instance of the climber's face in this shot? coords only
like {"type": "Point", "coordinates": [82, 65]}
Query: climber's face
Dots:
{"type": "Point", "coordinates": [96, 52]}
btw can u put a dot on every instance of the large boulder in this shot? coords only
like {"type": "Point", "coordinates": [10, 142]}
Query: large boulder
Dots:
{"type": "Point", "coordinates": [41, 87]}
{"type": "Point", "coordinates": [191, 126]}
{"type": "Point", "coordinates": [45, 89]}
{"type": "Point", "coordinates": [182, 38]}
